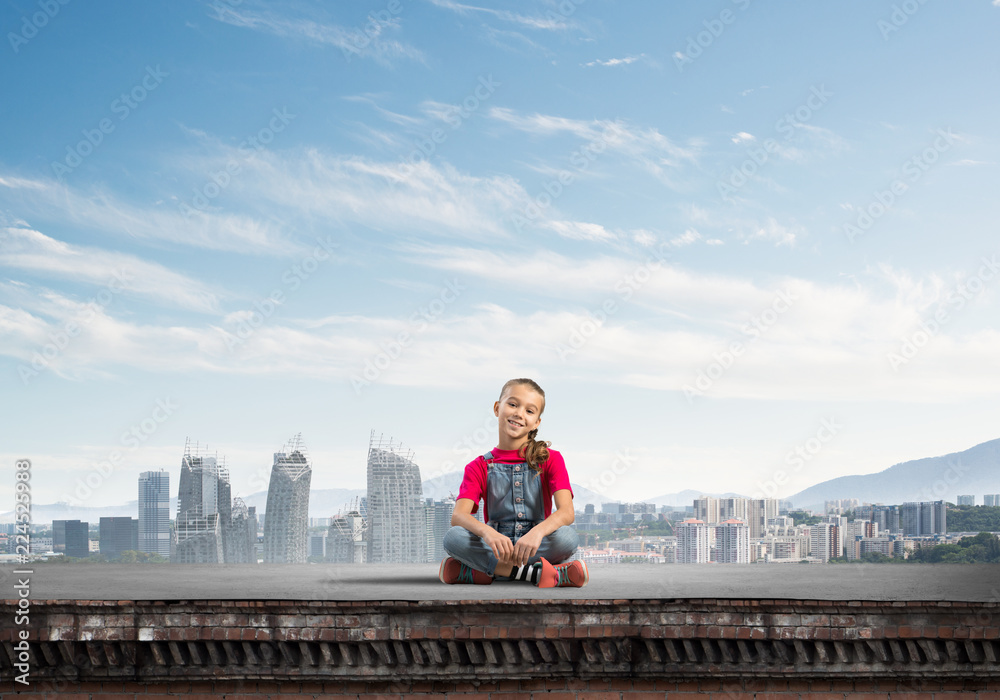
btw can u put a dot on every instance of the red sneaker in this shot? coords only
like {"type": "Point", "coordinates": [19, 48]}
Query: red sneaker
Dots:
{"type": "Point", "coordinates": [454, 571]}
{"type": "Point", "coordinates": [571, 574]}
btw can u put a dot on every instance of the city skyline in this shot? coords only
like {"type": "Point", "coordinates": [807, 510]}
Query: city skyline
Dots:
{"type": "Point", "coordinates": [720, 261]}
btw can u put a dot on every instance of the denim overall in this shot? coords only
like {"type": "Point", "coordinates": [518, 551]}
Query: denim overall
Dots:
{"type": "Point", "coordinates": [515, 503]}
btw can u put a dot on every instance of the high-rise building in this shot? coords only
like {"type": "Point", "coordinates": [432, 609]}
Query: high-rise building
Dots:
{"type": "Point", "coordinates": [346, 543]}
{"type": "Point", "coordinates": [924, 518]}
{"type": "Point", "coordinates": [395, 504]}
{"type": "Point", "coordinates": [154, 512]}
{"type": "Point", "coordinates": [991, 499]}
{"type": "Point", "coordinates": [760, 511]}
{"type": "Point", "coordinates": [204, 508]}
{"type": "Point", "coordinates": [118, 535]}
{"type": "Point", "coordinates": [967, 500]}
{"type": "Point", "coordinates": [692, 542]}
{"type": "Point", "coordinates": [286, 528]}
{"type": "Point", "coordinates": [241, 543]}
{"type": "Point", "coordinates": [886, 517]}
{"type": "Point", "coordinates": [73, 536]}
{"type": "Point", "coordinates": [734, 508]}
{"type": "Point", "coordinates": [438, 517]}
{"type": "Point", "coordinates": [732, 542]}
{"type": "Point", "coordinates": [317, 544]}
{"type": "Point", "coordinates": [706, 509]}
{"type": "Point", "coordinates": [824, 541]}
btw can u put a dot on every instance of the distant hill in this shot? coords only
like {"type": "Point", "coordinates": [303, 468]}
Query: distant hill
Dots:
{"type": "Point", "coordinates": [975, 471]}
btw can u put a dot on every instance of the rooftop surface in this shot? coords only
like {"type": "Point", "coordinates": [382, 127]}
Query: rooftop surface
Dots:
{"type": "Point", "coordinates": [418, 582]}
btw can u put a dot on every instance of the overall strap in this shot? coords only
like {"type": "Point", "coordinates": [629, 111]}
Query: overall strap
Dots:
{"type": "Point", "coordinates": [488, 456]}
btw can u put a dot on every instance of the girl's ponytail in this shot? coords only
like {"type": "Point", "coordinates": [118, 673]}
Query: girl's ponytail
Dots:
{"type": "Point", "coordinates": [535, 452]}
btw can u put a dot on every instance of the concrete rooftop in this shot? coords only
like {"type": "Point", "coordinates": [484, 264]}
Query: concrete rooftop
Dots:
{"type": "Point", "coordinates": [410, 582]}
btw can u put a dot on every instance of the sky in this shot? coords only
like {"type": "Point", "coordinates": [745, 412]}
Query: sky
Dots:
{"type": "Point", "coordinates": [742, 246]}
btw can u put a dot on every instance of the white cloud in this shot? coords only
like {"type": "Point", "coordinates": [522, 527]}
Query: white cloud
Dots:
{"type": "Point", "coordinates": [743, 137]}
{"type": "Point", "coordinates": [614, 61]}
{"type": "Point", "coordinates": [49, 200]}
{"type": "Point", "coordinates": [25, 249]}
{"type": "Point", "coordinates": [579, 230]}
{"type": "Point", "coordinates": [551, 22]}
{"type": "Point", "coordinates": [367, 42]}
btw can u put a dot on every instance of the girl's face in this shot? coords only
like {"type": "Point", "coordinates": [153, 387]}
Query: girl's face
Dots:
{"type": "Point", "coordinates": [519, 411]}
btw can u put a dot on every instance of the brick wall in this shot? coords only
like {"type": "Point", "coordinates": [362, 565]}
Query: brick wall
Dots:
{"type": "Point", "coordinates": [497, 649]}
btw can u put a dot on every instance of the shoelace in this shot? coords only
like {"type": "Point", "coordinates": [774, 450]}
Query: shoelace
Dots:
{"type": "Point", "coordinates": [465, 574]}
{"type": "Point", "coordinates": [563, 575]}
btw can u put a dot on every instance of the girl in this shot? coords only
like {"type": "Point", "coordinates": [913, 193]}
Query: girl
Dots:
{"type": "Point", "coordinates": [522, 538]}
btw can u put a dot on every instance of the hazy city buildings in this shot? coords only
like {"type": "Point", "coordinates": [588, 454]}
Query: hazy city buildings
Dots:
{"type": "Point", "coordinates": [395, 504]}
{"type": "Point", "coordinates": [345, 543]}
{"type": "Point", "coordinates": [437, 522]}
{"type": "Point", "coordinates": [241, 542]}
{"type": "Point", "coordinates": [968, 500]}
{"type": "Point", "coordinates": [824, 541]}
{"type": "Point", "coordinates": [692, 542]}
{"type": "Point", "coordinates": [923, 518]}
{"type": "Point", "coordinates": [118, 535]}
{"type": "Point", "coordinates": [72, 536]}
{"type": "Point", "coordinates": [732, 542]}
{"type": "Point", "coordinates": [287, 523]}
{"type": "Point", "coordinates": [154, 512]}
{"type": "Point", "coordinates": [991, 499]}
{"type": "Point", "coordinates": [204, 507]}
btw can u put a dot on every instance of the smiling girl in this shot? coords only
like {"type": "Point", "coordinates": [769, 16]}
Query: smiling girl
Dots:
{"type": "Point", "coordinates": [522, 538]}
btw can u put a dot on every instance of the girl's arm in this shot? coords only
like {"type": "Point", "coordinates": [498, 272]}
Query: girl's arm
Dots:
{"type": "Point", "coordinates": [503, 548]}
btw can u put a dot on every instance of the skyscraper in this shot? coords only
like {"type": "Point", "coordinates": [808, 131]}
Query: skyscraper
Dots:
{"type": "Point", "coordinates": [118, 535]}
{"type": "Point", "coordinates": [761, 510]}
{"type": "Point", "coordinates": [692, 542]}
{"type": "Point", "coordinates": [732, 542]}
{"type": "Point", "coordinates": [345, 543]}
{"type": "Point", "coordinates": [395, 504]}
{"type": "Point", "coordinates": [241, 542]}
{"type": "Point", "coordinates": [706, 509]}
{"type": "Point", "coordinates": [969, 500]}
{"type": "Point", "coordinates": [991, 499]}
{"type": "Point", "coordinates": [825, 541]}
{"type": "Point", "coordinates": [154, 512]}
{"type": "Point", "coordinates": [73, 536]}
{"type": "Point", "coordinates": [924, 518]}
{"type": "Point", "coordinates": [286, 524]}
{"type": "Point", "coordinates": [438, 514]}
{"type": "Point", "coordinates": [203, 503]}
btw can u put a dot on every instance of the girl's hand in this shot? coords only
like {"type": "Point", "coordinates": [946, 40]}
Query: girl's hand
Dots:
{"type": "Point", "coordinates": [526, 547]}
{"type": "Point", "coordinates": [503, 548]}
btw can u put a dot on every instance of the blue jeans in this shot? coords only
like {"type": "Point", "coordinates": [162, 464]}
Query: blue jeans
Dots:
{"type": "Point", "coordinates": [472, 551]}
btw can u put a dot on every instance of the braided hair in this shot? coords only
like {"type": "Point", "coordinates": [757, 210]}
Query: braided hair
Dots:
{"type": "Point", "coordinates": [534, 452]}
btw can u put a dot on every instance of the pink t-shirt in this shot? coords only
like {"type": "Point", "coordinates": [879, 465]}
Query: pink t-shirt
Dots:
{"type": "Point", "coordinates": [554, 478]}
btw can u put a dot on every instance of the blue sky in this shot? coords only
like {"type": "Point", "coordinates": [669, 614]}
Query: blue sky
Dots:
{"type": "Point", "coordinates": [718, 234]}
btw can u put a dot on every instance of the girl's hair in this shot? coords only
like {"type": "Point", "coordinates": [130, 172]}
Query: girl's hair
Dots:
{"type": "Point", "coordinates": [534, 452]}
